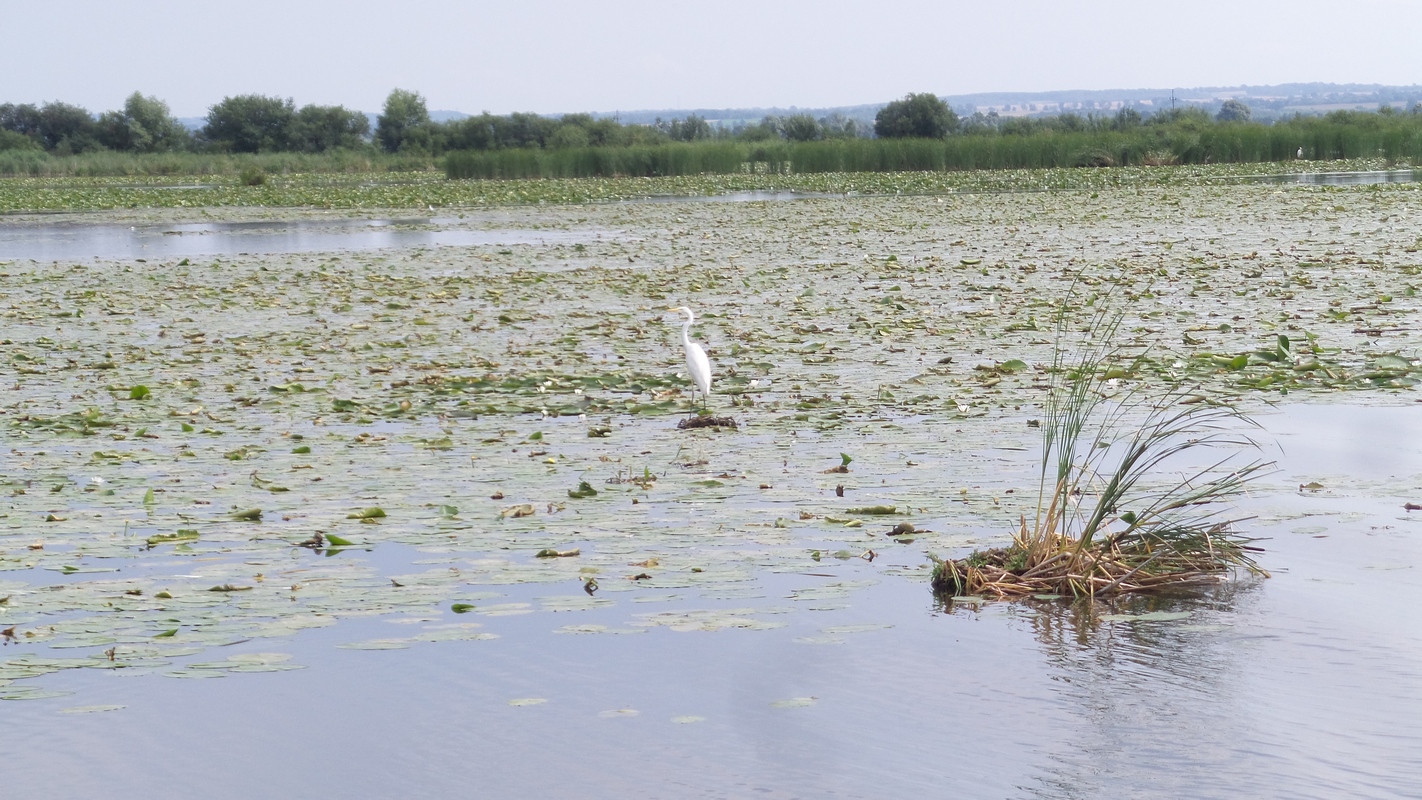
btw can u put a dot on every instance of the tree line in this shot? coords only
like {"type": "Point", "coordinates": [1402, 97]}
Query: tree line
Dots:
{"type": "Point", "coordinates": [255, 123]}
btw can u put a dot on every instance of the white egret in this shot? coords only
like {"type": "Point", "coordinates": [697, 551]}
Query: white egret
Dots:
{"type": "Point", "coordinates": [696, 362]}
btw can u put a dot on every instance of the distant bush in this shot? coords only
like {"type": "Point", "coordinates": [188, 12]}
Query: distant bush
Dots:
{"type": "Point", "coordinates": [802, 128]}
{"type": "Point", "coordinates": [252, 176]}
{"type": "Point", "coordinates": [917, 116]}
{"type": "Point", "coordinates": [143, 126]}
{"type": "Point", "coordinates": [1234, 111]}
{"type": "Point", "coordinates": [404, 125]}
{"type": "Point", "coordinates": [250, 123]}
{"type": "Point", "coordinates": [9, 140]}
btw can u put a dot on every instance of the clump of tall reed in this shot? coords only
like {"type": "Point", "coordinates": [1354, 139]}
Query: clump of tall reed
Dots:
{"type": "Point", "coordinates": [1106, 523]}
{"type": "Point", "coordinates": [641, 161]}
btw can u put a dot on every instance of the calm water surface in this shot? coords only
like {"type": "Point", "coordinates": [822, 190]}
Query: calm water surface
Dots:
{"type": "Point", "coordinates": [62, 241]}
{"type": "Point", "coordinates": [1308, 684]}
{"type": "Point", "coordinates": [58, 241]}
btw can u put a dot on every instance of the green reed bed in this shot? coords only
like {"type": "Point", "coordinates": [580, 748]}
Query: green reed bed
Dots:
{"type": "Point", "coordinates": [717, 158]}
{"type": "Point", "coordinates": [38, 164]}
{"type": "Point", "coordinates": [1395, 140]}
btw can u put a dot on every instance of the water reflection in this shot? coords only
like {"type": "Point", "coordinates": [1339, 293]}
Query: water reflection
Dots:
{"type": "Point", "coordinates": [62, 241]}
{"type": "Point", "coordinates": [1366, 178]}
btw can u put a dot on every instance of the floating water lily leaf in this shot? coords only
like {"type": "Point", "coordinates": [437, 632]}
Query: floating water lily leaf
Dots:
{"type": "Point", "coordinates": [1391, 362]}
{"type": "Point", "coordinates": [182, 535]}
{"type": "Point", "coordinates": [91, 709]}
{"type": "Point", "coordinates": [861, 628]}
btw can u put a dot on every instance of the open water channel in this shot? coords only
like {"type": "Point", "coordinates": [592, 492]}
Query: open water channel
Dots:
{"type": "Point", "coordinates": [785, 676]}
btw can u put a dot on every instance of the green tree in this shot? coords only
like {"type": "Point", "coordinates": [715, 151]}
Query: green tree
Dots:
{"type": "Point", "coordinates": [404, 124]}
{"type": "Point", "coordinates": [1190, 118]}
{"type": "Point", "coordinates": [317, 129]}
{"type": "Point", "coordinates": [801, 128]}
{"type": "Point", "coordinates": [1126, 119]}
{"type": "Point", "coordinates": [765, 130]}
{"type": "Point", "coordinates": [144, 126]}
{"type": "Point", "coordinates": [691, 129]}
{"type": "Point", "coordinates": [838, 126]}
{"type": "Point", "coordinates": [10, 140]}
{"type": "Point", "coordinates": [921, 116]}
{"type": "Point", "coordinates": [23, 119]}
{"type": "Point", "coordinates": [570, 136]}
{"type": "Point", "coordinates": [250, 123]}
{"type": "Point", "coordinates": [978, 124]}
{"type": "Point", "coordinates": [65, 129]}
{"type": "Point", "coordinates": [1233, 111]}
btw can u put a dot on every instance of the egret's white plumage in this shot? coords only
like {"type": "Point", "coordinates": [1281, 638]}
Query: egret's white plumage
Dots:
{"type": "Point", "coordinates": [696, 362]}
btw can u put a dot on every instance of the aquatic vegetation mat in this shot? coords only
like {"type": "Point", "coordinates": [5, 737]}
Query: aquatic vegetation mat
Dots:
{"type": "Point", "coordinates": [421, 191]}
{"type": "Point", "coordinates": [241, 448]}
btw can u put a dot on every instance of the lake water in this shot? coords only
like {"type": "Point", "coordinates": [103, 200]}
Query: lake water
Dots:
{"type": "Point", "coordinates": [1307, 684]}
{"type": "Point", "coordinates": [772, 672]}
{"type": "Point", "coordinates": [63, 241]}
{"type": "Point", "coordinates": [59, 240]}
{"type": "Point", "coordinates": [1367, 178]}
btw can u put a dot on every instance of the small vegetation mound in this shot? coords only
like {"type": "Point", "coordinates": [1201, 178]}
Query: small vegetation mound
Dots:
{"type": "Point", "coordinates": [707, 421]}
{"type": "Point", "coordinates": [1105, 525]}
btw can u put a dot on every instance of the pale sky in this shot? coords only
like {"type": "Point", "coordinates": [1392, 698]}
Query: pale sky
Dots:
{"type": "Point", "coordinates": [558, 55]}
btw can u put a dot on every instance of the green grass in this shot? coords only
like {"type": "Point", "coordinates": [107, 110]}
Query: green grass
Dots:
{"type": "Point", "coordinates": [38, 164]}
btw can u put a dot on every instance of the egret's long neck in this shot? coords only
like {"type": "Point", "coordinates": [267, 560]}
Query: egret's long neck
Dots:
{"type": "Point", "coordinates": [686, 329]}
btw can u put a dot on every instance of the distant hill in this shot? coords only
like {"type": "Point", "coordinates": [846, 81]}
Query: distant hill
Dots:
{"type": "Point", "coordinates": [1267, 102]}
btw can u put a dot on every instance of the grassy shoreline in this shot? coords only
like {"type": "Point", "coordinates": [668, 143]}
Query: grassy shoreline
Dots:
{"type": "Point", "coordinates": [422, 190]}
